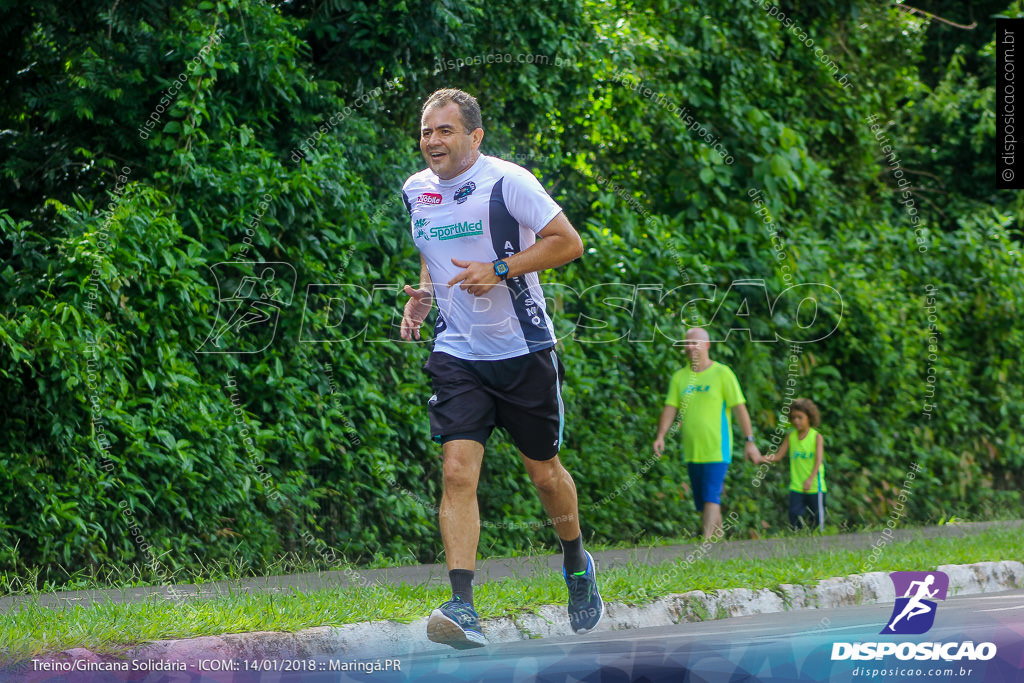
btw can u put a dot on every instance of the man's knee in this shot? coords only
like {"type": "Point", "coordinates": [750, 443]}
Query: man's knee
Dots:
{"type": "Point", "coordinates": [460, 476]}
{"type": "Point", "coordinates": [548, 477]}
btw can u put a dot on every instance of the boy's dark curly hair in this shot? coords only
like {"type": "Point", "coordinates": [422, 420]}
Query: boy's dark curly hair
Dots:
{"type": "Point", "coordinates": [807, 407]}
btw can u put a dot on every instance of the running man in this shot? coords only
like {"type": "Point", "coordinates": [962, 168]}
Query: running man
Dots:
{"type": "Point", "coordinates": [476, 220]}
{"type": "Point", "coordinates": [704, 392]}
{"type": "Point", "coordinates": [915, 606]}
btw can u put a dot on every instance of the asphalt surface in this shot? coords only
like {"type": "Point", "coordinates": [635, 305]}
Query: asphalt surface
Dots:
{"type": "Point", "coordinates": [795, 646]}
{"type": "Point", "coordinates": [983, 636]}
{"type": "Point", "coordinates": [490, 570]}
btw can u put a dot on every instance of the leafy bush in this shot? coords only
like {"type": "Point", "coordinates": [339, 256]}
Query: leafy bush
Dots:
{"type": "Point", "coordinates": [129, 442]}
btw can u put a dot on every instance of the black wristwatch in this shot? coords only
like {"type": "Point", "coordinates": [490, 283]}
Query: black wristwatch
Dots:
{"type": "Point", "coordinates": [500, 269]}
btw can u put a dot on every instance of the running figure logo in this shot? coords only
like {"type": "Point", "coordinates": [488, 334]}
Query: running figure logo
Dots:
{"type": "Point", "coordinates": [247, 319]}
{"type": "Point", "coordinates": [420, 224]}
{"type": "Point", "coordinates": [914, 612]}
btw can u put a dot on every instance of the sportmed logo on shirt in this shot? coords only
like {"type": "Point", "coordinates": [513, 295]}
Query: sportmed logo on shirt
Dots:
{"type": "Point", "coordinates": [457, 230]}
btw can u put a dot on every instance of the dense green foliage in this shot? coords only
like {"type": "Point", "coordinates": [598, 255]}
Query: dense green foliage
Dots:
{"type": "Point", "coordinates": [280, 134]}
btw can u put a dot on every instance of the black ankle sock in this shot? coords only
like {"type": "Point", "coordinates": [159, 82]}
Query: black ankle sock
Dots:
{"type": "Point", "coordinates": [574, 560]}
{"type": "Point", "coordinates": [462, 584]}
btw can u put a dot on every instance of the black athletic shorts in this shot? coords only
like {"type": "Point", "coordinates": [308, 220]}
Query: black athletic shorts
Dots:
{"type": "Point", "coordinates": [522, 395]}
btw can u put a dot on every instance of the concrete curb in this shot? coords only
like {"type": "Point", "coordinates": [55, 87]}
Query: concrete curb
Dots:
{"type": "Point", "coordinates": [391, 639]}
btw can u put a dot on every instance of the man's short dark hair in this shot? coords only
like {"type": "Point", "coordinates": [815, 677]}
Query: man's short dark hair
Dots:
{"type": "Point", "coordinates": [469, 109]}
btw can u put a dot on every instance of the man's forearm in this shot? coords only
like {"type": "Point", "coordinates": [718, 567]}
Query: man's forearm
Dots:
{"type": "Point", "coordinates": [665, 422]}
{"type": "Point", "coordinates": [743, 417]}
{"type": "Point", "coordinates": [548, 252]}
{"type": "Point", "coordinates": [425, 282]}
{"type": "Point", "coordinates": [559, 243]}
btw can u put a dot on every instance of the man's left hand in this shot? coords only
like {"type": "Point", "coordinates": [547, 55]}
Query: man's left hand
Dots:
{"type": "Point", "coordinates": [478, 278]}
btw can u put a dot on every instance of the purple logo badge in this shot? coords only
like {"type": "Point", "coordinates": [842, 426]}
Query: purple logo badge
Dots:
{"type": "Point", "coordinates": [916, 592]}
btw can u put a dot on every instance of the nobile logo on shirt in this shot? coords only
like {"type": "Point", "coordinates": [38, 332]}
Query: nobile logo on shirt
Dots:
{"type": "Point", "coordinates": [914, 612]}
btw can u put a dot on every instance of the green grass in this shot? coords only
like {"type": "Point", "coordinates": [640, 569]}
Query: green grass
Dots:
{"type": "Point", "coordinates": [30, 630]}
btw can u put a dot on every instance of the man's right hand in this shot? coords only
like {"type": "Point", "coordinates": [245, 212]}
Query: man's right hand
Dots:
{"type": "Point", "coordinates": [417, 308]}
{"type": "Point", "coordinates": [659, 446]}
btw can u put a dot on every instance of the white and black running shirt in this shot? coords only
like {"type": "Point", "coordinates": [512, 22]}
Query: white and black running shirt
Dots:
{"type": "Point", "coordinates": [492, 210]}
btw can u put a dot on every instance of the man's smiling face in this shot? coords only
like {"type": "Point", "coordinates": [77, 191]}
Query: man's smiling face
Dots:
{"type": "Point", "coordinates": [447, 147]}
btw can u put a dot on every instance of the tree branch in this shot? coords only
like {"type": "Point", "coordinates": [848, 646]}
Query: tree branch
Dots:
{"type": "Point", "coordinates": [912, 10]}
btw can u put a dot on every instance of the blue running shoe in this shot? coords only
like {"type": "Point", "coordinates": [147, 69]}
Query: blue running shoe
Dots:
{"type": "Point", "coordinates": [455, 623]}
{"type": "Point", "coordinates": [585, 605]}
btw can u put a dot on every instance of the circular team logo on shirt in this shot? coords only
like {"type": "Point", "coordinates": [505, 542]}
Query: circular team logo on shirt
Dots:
{"type": "Point", "coordinates": [462, 194]}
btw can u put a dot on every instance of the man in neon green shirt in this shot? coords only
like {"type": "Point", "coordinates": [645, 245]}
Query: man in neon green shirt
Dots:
{"type": "Point", "coordinates": [708, 396]}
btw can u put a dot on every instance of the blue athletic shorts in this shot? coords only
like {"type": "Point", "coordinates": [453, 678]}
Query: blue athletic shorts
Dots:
{"type": "Point", "coordinates": [706, 480]}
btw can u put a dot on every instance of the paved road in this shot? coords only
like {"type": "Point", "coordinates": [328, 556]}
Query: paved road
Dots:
{"type": "Point", "coordinates": [499, 568]}
{"type": "Point", "coordinates": [794, 646]}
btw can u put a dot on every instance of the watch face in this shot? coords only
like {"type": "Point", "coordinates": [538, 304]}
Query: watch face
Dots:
{"type": "Point", "coordinates": [501, 268]}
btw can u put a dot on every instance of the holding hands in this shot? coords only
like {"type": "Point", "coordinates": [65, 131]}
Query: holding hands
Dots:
{"type": "Point", "coordinates": [753, 453]}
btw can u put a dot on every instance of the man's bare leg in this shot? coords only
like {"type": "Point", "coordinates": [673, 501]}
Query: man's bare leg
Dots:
{"type": "Point", "coordinates": [460, 513]}
{"type": "Point", "coordinates": [557, 493]}
{"type": "Point", "coordinates": [456, 623]}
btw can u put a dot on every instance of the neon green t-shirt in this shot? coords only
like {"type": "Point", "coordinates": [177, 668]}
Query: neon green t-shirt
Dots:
{"type": "Point", "coordinates": [801, 462]}
{"type": "Point", "coordinates": [704, 400]}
